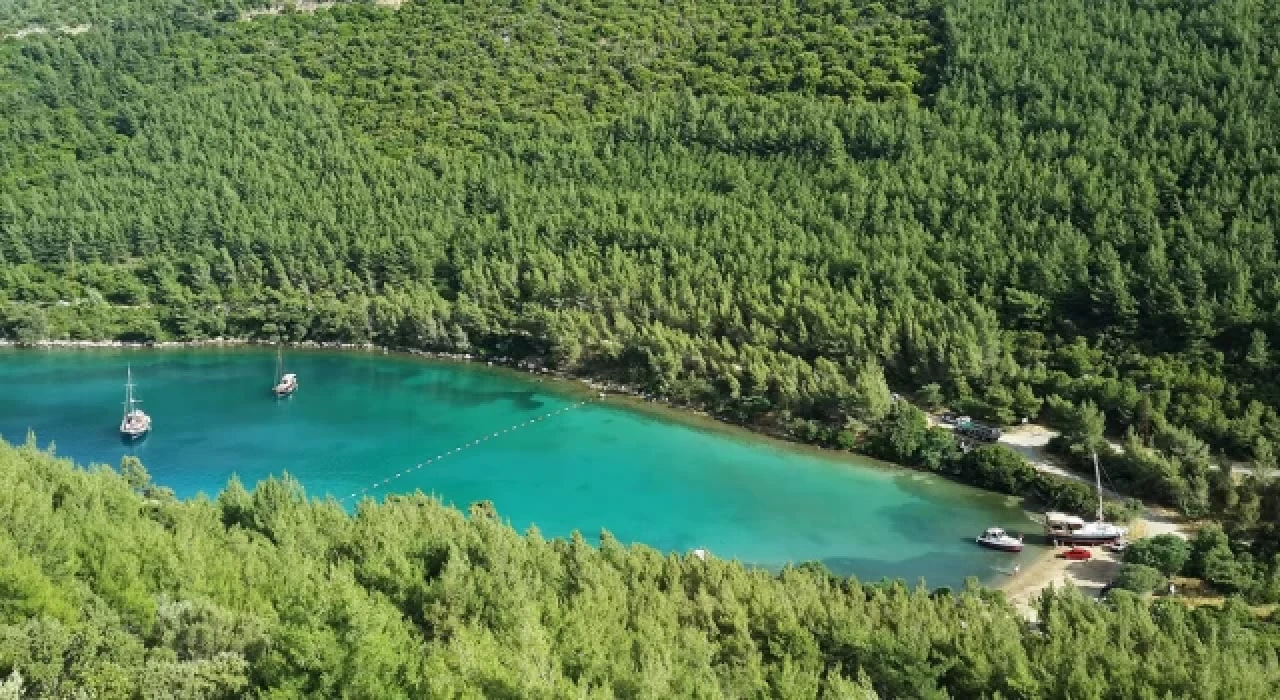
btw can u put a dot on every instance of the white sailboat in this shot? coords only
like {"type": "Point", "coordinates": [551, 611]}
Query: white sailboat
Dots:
{"type": "Point", "coordinates": [1070, 529]}
{"type": "Point", "coordinates": [135, 423]}
{"type": "Point", "coordinates": [288, 383]}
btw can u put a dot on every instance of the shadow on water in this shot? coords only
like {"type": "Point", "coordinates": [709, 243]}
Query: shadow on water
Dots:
{"type": "Point", "coordinates": [918, 523]}
{"type": "Point", "coordinates": [470, 395]}
{"type": "Point", "coordinates": [937, 569]}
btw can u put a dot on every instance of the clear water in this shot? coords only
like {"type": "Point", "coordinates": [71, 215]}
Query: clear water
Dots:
{"type": "Point", "coordinates": [360, 418]}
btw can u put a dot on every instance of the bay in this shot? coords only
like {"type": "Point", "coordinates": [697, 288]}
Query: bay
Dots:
{"type": "Point", "coordinates": [544, 453]}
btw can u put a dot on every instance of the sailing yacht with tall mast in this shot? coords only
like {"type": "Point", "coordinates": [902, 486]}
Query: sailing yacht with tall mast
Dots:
{"type": "Point", "coordinates": [135, 423]}
{"type": "Point", "coordinates": [1069, 529]}
{"type": "Point", "coordinates": [288, 383]}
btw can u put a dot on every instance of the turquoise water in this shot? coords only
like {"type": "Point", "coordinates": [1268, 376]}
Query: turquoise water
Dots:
{"type": "Point", "coordinates": [360, 418]}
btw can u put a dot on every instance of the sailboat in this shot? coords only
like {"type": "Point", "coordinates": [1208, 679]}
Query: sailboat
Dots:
{"type": "Point", "coordinates": [135, 423]}
{"type": "Point", "coordinates": [1069, 529]}
{"type": "Point", "coordinates": [288, 383]}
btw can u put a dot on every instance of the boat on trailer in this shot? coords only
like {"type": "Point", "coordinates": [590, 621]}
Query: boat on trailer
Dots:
{"type": "Point", "coordinates": [1062, 528]}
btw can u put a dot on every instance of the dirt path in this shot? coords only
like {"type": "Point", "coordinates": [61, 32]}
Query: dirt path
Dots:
{"type": "Point", "coordinates": [307, 6]}
{"type": "Point", "coordinates": [24, 33]}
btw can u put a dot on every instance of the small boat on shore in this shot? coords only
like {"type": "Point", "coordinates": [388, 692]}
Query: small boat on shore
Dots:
{"type": "Point", "coordinates": [135, 423]}
{"type": "Point", "coordinates": [997, 538]}
{"type": "Point", "coordinates": [288, 383]}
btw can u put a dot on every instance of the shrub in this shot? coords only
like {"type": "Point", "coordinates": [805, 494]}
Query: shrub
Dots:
{"type": "Point", "coordinates": [1140, 578]}
{"type": "Point", "coordinates": [1166, 553]}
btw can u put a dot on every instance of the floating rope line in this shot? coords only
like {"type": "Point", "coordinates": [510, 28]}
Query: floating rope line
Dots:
{"type": "Point", "coordinates": [465, 445]}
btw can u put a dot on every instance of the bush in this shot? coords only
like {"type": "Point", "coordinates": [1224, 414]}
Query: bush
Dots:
{"type": "Point", "coordinates": [930, 396]}
{"type": "Point", "coordinates": [1061, 493]}
{"type": "Point", "coordinates": [1140, 578]}
{"type": "Point", "coordinates": [1209, 538]}
{"type": "Point", "coordinates": [1166, 553]}
{"type": "Point", "coordinates": [999, 468]}
{"type": "Point", "coordinates": [1122, 511]}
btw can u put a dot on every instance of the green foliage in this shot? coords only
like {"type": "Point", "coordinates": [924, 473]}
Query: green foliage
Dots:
{"type": "Point", "coordinates": [1166, 553]}
{"type": "Point", "coordinates": [266, 594]}
{"type": "Point", "coordinates": [1208, 540]}
{"type": "Point", "coordinates": [1140, 578]}
{"type": "Point", "coordinates": [705, 199]}
{"type": "Point", "coordinates": [1246, 564]}
{"type": "Point", "coordinates": [999, 468]}
{"type": "Point", "coordinates": [904, 437]}
{"type": "Point", "coordinates": [134, 473]}
{"type": "Point", "coordinates": [931, 397]}
{"type": "Point", "coordinates": [1122, 511]}
{"type": "Point", "coordinates": [776, 211]}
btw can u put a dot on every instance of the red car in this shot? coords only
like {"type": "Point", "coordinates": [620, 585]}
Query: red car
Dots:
{"type": "Point", "coordinates": [1077, 554]}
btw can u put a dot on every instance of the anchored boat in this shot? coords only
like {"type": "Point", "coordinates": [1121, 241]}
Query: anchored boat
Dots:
{"type": "Point", "coordinates": [288, 383]}
{"type": "Point", "coordinates": [997, 538]}
{"type": "Point", "coordinates": [135, 423]}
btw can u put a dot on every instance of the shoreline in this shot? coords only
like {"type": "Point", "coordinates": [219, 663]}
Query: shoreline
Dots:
{"type": "Point", "coordinates": [1023, 590]}
{"type": "Point", "coordinates": [633, 398]}
{"type": "Point", "coordinates": [533, 375]}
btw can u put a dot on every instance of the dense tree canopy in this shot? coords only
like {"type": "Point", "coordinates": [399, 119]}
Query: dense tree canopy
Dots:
{"type": "Point", "coordinates": [784, 212]}
{"type": "Point", "coordinates": [739, 204]}
{"type": "Point", "coordinates": [112, 588]}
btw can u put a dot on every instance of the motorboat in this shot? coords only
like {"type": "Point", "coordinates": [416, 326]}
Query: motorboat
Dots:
{"type": "Point", "coordinates": [997, 538]}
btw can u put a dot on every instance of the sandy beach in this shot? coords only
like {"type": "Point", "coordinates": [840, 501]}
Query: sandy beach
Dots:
{"type": "Point", "coordinates": [1089, 576]}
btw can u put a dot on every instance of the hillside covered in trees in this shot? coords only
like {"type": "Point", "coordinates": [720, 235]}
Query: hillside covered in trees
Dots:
{"type": "Point", "coordinates": [1057, 209]}
{"type": "Point", "coordinates": [768, 209]}
{"type": "Point", "coordinates": [743, 204]}
{"type": "Point", "coordinates": [110, 588]}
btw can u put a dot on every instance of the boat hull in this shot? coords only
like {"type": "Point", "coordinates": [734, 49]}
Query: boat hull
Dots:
{"type": "Point", "coordinates": [1001, 546]}
{"type": "Point", "coordinates": [1087, 540]}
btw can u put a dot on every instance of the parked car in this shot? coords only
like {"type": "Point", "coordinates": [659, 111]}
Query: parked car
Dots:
{"type": "Point", "coordinates": [1077, 554]}
{"type": "Point", "coordinates": [978, 431]}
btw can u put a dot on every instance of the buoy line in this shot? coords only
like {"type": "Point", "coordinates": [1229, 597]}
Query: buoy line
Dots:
{"type": "Point", "coordinates": [465, 445]}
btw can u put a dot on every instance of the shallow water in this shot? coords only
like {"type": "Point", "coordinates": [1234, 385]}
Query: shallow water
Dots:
{"type": "Point", "coordinates": [360, 418]}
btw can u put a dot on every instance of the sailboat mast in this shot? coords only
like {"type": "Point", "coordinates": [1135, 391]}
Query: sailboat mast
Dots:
{"type": "Point", "coordinates": [1097, 476]}
{"type": "Point", "coordinates": [279, 360]}
{"type": "Point", "coordinates": [128, 390]}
